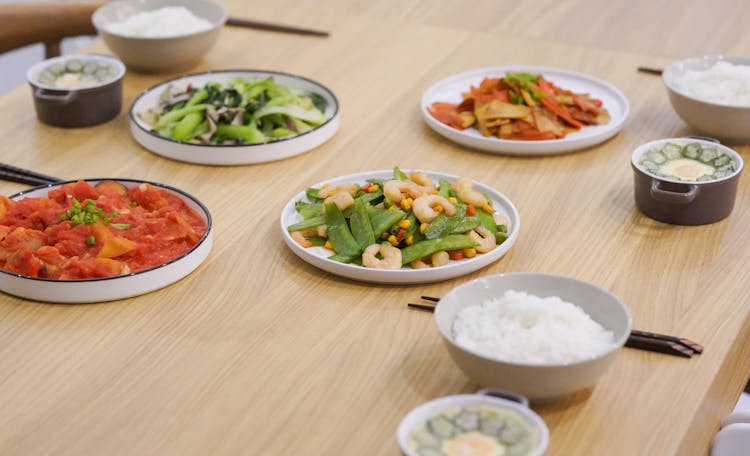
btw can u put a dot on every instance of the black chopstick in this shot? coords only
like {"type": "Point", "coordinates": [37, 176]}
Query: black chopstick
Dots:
{"type": "Point", "coordinates": [647, 70]}
{"type": "Point", "coordinates": [24, 176]}
{"type": "Point", "coordinates": [237, 22]}
{"type": "Point", "coordinates": [642, 340]}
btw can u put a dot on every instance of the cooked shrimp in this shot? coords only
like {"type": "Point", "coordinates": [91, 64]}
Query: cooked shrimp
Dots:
{"type": "Point", "coordinates": [391, 256]}
{"type": "Point", "coordinates": [395, 190]}
{"type": "Point", "coordinates": [465, 191]}
{"type": "Point", "coordinates": [484, 238]}
{"type": "Point", "coordinates": [426, 208]}
{"type": "Point", "coordinates": [424, 182]}
{"type": "Point", "coordinates": [419, 264]}
{"type": "Point", "coordinates": [439, 258]}
{"type": "Point", "coordinates": [301, 237]}
{"type": "Point", "coordinates": [349, 188]}
{"type": "Point", "coordinates": [500, 220]}
{"type": "Point", "coordinates": [340, 199]}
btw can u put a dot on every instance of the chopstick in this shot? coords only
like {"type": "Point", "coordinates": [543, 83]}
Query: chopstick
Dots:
{"type": "Point", "coordinates": [238, 22]}
{"type": "Point", "coordinates": [642, 340]}
{"type": "Point", "coordinates": [647, 70]}
{"type": "Point", "coordinates": [24, 176]}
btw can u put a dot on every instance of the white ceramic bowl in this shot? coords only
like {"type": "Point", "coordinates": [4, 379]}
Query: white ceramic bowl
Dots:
{"type": "Point", "coordinates": [429, 409]}
{"type": "Point", "coordinates": [111, 288]}
{"type": "Point", "coordinates": [723, 121]}
{"type": "Point", "coordinates": [538, 382]}
{"type": "Point", "coordinates": [155, 55]}
{"type": "Point", "coordinates": [232, 154]}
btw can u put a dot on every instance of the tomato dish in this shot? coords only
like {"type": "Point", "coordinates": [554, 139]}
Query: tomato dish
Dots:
{"type": "Point", "coordinates": [80, 231]}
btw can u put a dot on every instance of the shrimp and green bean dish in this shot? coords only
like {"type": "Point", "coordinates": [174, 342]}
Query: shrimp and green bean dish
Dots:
{"type": "Point", "coordinates": [407, 221]}
{"type": "Point", "coordinates": [241, 111]}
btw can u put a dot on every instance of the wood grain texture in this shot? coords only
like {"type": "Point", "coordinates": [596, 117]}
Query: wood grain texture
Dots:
{"type": "Point", "coordinates": [256, 352]}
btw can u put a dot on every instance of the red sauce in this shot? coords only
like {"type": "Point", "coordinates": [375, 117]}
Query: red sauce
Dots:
{"type": "Point", "coordinates": [134, 229]}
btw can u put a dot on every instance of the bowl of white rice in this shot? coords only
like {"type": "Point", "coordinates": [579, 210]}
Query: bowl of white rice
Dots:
{"type": "Point", "coordinates": [160, 36]}
{"type": "Point", "coordinates": [542, 335]}
{"type": "Point", "coordinates": [712, 95]}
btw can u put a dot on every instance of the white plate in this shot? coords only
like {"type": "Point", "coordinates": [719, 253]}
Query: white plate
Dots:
{"type": "Point", "coordinates": [111, 288]}
{"type": "Point", "coordinates": [233, 154]}
{"type": "Point", "coordinates": [451, 88]}
{"type": "Point", "coordinates": [318, 256]}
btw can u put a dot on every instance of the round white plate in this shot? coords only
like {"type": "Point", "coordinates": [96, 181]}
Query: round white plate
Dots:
{"type": "Point", "coordinates": [111, 288]}
{"type": "Point", "coordinates": [318, 256]}
{"type": "Point", "coordinates": [233, 154]}
{"type": "Point", "coordinates": [451, 88]}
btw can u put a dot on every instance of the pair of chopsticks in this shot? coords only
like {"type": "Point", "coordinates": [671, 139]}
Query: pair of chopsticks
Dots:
{"type": "Point", "coordinates": [642, 340]}
{"type": "Point", "coordinates": [246, 23]}
{"type": "Point", "coordinates": [24, 176]}
{"type": "Point", "coordinates": [648, 70]}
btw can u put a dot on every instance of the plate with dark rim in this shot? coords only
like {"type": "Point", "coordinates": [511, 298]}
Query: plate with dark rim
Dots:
{"type": "Point", "coordinates": [102, 289]}
{"type": "Point", "coordinates": [226, 154]}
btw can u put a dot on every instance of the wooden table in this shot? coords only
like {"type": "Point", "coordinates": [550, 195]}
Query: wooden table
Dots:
{"type": "Point", "coordinates": [256, 352]}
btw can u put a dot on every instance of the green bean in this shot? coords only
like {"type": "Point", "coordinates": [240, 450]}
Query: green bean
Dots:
{"type": "Point", "coordinates": [185, 127]}
{"type": "Point", "coordinates": [339, 234]}
{"type": "Point", "coordinates": [372, 198]}
{"type": "Point", "coordinates": [360, 224]}
{"type": "Point", "coordinates": [487, 220]}
{"type": "Point", "coordinates": [466, 224]}
{"type": "Point", "coordinates": [307, 223]}
{"type": "Point", "coordinates": [425, 248]}
{"type": "Point", "coordinates": [398, 174]}
{"type": "Point", "coordinates": [385, 220]}
{"type": "Point", "coordinates": [312, 194]}
{"type": "Point", "coordinates": [445, 188]}
{"type": "Point", "coordinates": [437, 226]}
{"type": "Point", "coordinates": [308, 210]}
{"type": "Point", "coordinates": [177, 114]}
{"type": "Point", "coordinates": [343, 258]}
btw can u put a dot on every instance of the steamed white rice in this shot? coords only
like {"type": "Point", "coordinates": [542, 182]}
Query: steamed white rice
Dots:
{"type": "Point", "coordinates": [722, 83]}
{"type": "Point", "coordinates": [160, 23]}
{"type": "Point", "coordinates": [520, 327]}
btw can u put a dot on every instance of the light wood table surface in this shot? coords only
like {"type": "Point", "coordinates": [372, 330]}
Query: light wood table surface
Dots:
{"type": "Point", "coordinates": [256, 352]}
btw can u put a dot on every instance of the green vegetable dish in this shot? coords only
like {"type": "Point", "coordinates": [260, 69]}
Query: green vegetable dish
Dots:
{"type": "Point", "coordinates": [406, 221]}
{"type": "Point", "coordinates": [691, 162]}
{"type": "Point", "coordinates": [241, 111]}
{"type": "Point", "coordinates": [476, 430]}
{"type": "Point", "coordinates": [77, 74]}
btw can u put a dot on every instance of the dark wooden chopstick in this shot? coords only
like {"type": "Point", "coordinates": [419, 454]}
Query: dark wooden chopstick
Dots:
{"type": "Point", "coordinates": [39, 178]}
{"type": "Point", "coordinates": [643, 340]}
{"type": "Point", "coordinates": [24, 179]}
{"type": "Point", "coordinates": [647, 70]}
{"type": "Point", "coordinates": [238, 22]}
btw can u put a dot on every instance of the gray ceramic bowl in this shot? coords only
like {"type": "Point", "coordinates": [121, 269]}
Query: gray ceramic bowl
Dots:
{"type": "Point", "coordinates": [727, 122]}
{"type": "Point", "coordinates": [77, 106]}
{"type": "Point", "coordinates": [538, 382]}
{"type": "Point", "coordinates": [154, 55]}
{"type": "Point", "coordinates": [679, 202]}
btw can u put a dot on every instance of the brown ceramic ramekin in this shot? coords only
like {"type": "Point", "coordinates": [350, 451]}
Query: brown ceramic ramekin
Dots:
{"type": "Point", "coordinates": [81, 106]}
{"type": "Point", "coordinates": [684, 202]}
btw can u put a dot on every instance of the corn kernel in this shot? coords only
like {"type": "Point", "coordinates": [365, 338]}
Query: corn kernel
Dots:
{"type": "Point", "coordinates": [470, 252]}
{"type": "Point", "coordinates": [407, 203]}
{"type": "Point", "coordinates": [392, 239]}
{"type": "Point", "coordinates": [409, 240]}
{"type": "Point", "coordinates": [373, 188]}
{"type": "Point", "coordinates": [405, 223]}
{"type": "Point", "coordinates": [452, 200]}
{"type": "Point", "coordinates": [325, 185]}
{"type": "Point", "coordinates": [423, 227]}
{"type": "Point", "coordinates": [328, 245]}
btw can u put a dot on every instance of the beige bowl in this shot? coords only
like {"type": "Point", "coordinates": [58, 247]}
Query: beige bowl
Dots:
{"type": "Point", "coordinates": [154, 55]}
{"type": "Point", "coordinates": [538, 382]}
{"type": "Point", "coordinates": [723, 121]}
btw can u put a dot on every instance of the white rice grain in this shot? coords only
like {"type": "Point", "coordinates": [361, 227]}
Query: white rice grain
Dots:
{"type": "Point", "coordinates": [523, 328]}
{"type": "Point", "coordinates": [166, 22]}
{"type": "Point", "coordinates": [722, 83]}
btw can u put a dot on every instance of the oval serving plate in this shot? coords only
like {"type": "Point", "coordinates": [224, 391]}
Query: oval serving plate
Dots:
{"type": "Point", "coordinates": [318, 256]}
{"type": "Point", "coordinates": [233, 154]}
{"type": "Point", "coordinates": [111, 288]}
{"type": "Point", "coordinates": [450, 89]}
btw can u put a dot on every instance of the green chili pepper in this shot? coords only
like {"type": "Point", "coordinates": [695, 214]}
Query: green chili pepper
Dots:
{"type": "Point", "coordinates": [339, 234]}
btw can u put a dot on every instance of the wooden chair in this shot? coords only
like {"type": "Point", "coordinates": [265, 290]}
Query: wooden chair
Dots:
{"type": "Point", "coordinates": [47, 23]}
